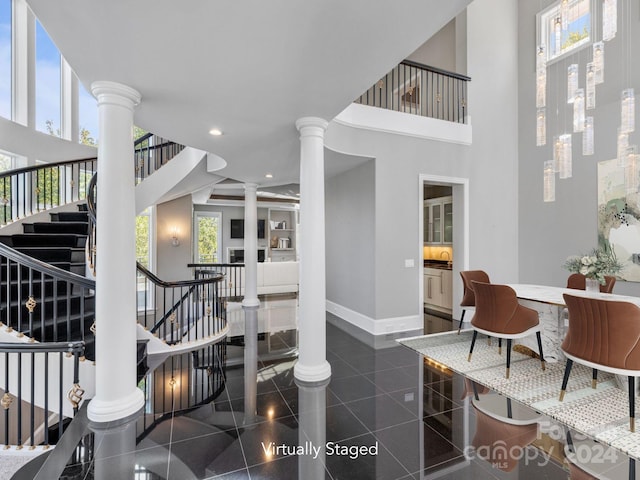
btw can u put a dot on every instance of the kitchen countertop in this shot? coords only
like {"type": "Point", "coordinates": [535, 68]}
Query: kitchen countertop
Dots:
{"type": "Point", "coordinates": [439, 264]}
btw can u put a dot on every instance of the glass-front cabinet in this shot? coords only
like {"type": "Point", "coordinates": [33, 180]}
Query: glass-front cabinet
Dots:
{"type": "Point", "coordinates": [438, 220]}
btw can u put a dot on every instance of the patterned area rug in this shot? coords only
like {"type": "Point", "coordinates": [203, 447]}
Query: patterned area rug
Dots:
{"type": "Point", "coordinates": [601, 413]}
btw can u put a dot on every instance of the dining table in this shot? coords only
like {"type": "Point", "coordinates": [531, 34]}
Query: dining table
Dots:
{"type": "Point", "coordinates": [549, 302]}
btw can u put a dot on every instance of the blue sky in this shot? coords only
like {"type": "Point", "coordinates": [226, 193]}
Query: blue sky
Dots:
{"type": "Point", "coordinates": [47, 79]}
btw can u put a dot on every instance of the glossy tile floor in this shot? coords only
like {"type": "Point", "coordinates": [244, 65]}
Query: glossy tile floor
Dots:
{"type": "Point", "coordinates": [385, 414]}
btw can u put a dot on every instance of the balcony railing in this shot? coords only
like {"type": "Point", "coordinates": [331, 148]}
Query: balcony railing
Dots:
{"type": "Point", "coordinates": [420, 90]}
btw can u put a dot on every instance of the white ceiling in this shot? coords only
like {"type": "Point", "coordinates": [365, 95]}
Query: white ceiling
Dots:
{"type": "Point", "coordinates": [248, 67]}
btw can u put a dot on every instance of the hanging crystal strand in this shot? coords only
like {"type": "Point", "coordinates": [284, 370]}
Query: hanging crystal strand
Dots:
{"type": "Point", "coordinates": [541, 127]}
{"type": "Point", "coordinates": [587, 137]}
{"type": "Point", "coordinates": [549, 182]}
{"type": "Point", "coordinates": [590, 100]}
{"type": "Point", "coordinates": [598, 62]}
{"type": "Point", "coordinates": [564, 14]}
{"type": "Point", "coordinates": [578, 111]}
{"type": "Point", "coordinates": [541, 87]}
{"type": "Point", "coordinates": [572, 82]}
{"type": "Point", "coordinates": [631, 171]}
{"type": "Point", "coordinates": [623, 144]}
{"type": "Point", "coordinates": [557, 153]}
{"type": "Point", "coordinates": [609, 19]}
{"type": "Point", "coordinates": [627, 111]}
{"type": "Point", "coordinates": [541, 57]}
{"type": "Point", "coordinates": [557, 35]}
{"type": "Point", "coordinates": [565, 167]}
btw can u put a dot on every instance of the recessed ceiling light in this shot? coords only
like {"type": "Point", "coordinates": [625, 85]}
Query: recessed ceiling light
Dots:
{"type": "Point", "coordinates": [269, 175]}
{"type": "Point", "coordinates": [216, 132]}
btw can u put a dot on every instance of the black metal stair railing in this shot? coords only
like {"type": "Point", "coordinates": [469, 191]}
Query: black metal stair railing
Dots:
{"type": "Point", "coordinates": [232, 287]}
{"type": "Point", "coordinates": [34, 189]}
{"type": "Point", "coordinates": [182, 311]}
{"type": "Point", "coordinates": [35, 389]}
{"type": "Point", "coordinates": [152, 152]}
{"type": "Point", "coordinates": [419, 89]}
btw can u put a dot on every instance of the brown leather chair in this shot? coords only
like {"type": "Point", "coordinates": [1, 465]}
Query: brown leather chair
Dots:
{"type": "Point", "coordinates": [468, 297]}
{"type": "Point", "coordinates": [578, 281]}
{"type": "Point", "coordinates": [617, 351]}
{"type": "Point", "coordinates": [498, 314]}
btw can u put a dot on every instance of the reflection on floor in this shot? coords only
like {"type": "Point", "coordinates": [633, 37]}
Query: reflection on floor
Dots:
{"type": "Point", "coordinates": [385, 413]}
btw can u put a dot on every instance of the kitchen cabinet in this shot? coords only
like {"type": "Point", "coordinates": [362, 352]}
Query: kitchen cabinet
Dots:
{"type": "Point", "coordinates": [437, 289]}
{"type": "Point", "coordinates": [438, 221]}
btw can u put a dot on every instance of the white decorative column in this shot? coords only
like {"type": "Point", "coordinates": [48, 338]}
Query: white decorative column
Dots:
{"type": "Point", "coordinates": [312, 365]}
{"type": "Point", "coordinates": [117, 395]}
{"type": "Point", "coordinates": [250, 246]}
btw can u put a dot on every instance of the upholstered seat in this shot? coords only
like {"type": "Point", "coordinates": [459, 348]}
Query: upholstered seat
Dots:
{"type": "Point", "coordinates": [603, 335]}
{"type": "Point", "coordinates": [499, 314]}
{"type": "Point", "coordinates": [578, 281]}
{"type": "Point", "coordinates": [468, 296]}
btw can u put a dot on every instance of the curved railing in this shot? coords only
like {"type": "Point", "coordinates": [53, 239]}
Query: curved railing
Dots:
{"type": "Point", "coordinates": [34, 189]}
{"type": "Point", "coordinates": [152, 152]}
{"type": "Point", "coordinates": [419, 89]}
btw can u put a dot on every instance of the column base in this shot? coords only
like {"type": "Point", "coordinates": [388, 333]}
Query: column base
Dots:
{"type": "Point", "coordinates": [314, 373]}
{"type": "Point", "coordinates": [108, 411]}
{"type": "Point", "coordinates": [250, 302]}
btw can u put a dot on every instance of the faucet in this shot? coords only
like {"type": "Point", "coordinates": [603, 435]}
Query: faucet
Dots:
{"type": "Point", "coordinates": [449, 262]}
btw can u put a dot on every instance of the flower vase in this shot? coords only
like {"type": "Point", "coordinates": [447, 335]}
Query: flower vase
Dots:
{"type": "Point", "coordinates": [592, 285]}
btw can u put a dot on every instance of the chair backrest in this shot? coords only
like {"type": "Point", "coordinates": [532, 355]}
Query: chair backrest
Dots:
{"type": "Point", "coordinates": [468, 276]}
{"type": "Point", "coordinates": [603, 332]}
{"type": "Point", "coordinates": [578, 281]}
{"type": "Point", "coordinates": [498, 310]}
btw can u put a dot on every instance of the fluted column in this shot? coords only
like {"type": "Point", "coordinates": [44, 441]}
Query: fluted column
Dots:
{"type": "Point", "coordinates": [117, 395]}
{"type": "Point", "coordinates": [312, 365]}
{"type": "Point", "coordinates": [250, 246]}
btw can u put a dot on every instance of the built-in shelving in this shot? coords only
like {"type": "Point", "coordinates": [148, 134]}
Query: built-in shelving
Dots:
{"type": "Point", "coordinates": [282, 239]}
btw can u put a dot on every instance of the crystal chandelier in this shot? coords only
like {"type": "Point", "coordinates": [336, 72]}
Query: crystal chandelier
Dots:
{"type": "Point", "coordinates": [549, 181]}
{"type": "Point", "coordinates": [565, 164]}
{"type": "Point", "coordinates": [598, 61]}
{"type": "Point", "coordinates": [587, 137]}
{"type": "Point", "coordinates": [541, 127]}
{"type": "Point", "coordinates": [572, 82]}
{"type": "Point", "coordinates": [541, 87]}
{"type": "Point", "coordinates": [590, 94]}
{"type": "Point", "coordinates": [578, 111]}
{"type": "Point", "coordinates": [609, 19]}
{"type": "Point", "coordinates": [627, 111]}
{"type": "Point", "coordinates": [631, 171]}
{"type": "Point", "coordinates": [622, 145]}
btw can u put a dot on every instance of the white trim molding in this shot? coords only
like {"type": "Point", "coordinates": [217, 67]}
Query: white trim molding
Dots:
{"type": "Point", "coordinates": [389, 121]}
{"type": "Point", "coordinates": [373, 326]}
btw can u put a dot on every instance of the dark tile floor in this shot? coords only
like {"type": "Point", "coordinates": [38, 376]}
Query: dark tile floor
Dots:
{"type": "Point", "coordinates": [386, 401]}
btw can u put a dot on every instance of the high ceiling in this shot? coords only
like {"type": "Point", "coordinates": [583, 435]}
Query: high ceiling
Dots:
{"type": "Point", "coordinates": [247, 67]}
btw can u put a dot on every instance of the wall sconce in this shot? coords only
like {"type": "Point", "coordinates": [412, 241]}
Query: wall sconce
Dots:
{"type": "Point", "coordinates": [175, 241]}
{"type": "Point", "coordinates": [173, 382]}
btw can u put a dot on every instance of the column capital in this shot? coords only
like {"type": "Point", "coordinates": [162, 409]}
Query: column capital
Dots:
{"type": "Point", "coordinates": [114, 93]}
{"type": "Point", "coordinates": [311, 126]}
{"type": "Point", "coordinates": [250, 187]}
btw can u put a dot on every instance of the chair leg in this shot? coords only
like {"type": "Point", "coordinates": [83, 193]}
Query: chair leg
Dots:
{"type": "Point", "coordinates": [565, 379]}
{"type": "Point", "coordinates": [632, 403]}
{"type": "Point", "coordinates": [499, 346]}
{"type": "Point", "coordinates": [461, 320]}
{"type": "Point", "coordinates": [473, 342]}
{"type": "Point", "coordinates": [509, 408]}
{"type": "Point", "coordinates": [594, 377]}
{"type": "Point", "coordinates": [539, 337]}
{"type": "Point", "coordinates": [475, 390]}
{"type": "Point", "coordinates": [508, 356]}
{"type": "Point", "coordinates": [488, 340]}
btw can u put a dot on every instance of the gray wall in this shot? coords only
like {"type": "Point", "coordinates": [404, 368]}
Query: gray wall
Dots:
{"type": "Point", "coordinates": [549, 232]}
{"type": "Point", "coordinates": [172, 261]}
{"type": "Point", "coordinates": [350, 234]}
{"type": "Point", "coordinates": [490, 164]}
{"type": "Point", "coordinates": [439, 50]}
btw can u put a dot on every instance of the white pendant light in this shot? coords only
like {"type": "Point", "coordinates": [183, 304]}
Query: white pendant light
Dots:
{"type": "Point", "coordinates": [541, 127]}
{"type": "Point", "coordinates": [578, 111]}
{"type": "Point", "coordinates": [549, 182]}
{"type": "Point", "coordinates": [590, 93]}
{"type": "Point", "coordinates": [631, 171]}
{"type": "Point", "coordinates": [587, 137]}
{"type": "Point", "coordinates": [572, 81]}
{"type": "Point", "coordinates": [609, 19]}
{"type": "Point", "coordinates": [622, 145]}
{"type": "Point", "coordinates": [628, 111]}
{"type": "Point", "coordinates": [541, 87]}
{"type": "Point", "coordinates": [598, 62]}
{"type": "Point", "coordinates": [565, 165]}
{"type": "Point", "coordinates": [557, 152]}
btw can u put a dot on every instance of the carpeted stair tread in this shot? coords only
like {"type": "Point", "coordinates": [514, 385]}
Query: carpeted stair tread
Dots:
{"type": "Point", "coordinates": [73, 240]}
{"type": "Point", "coordinates": [69, 216]}
{"type": "Point", "coordinates": [80, 228]}
{"type": "Point", "coordinates": [54, 254]}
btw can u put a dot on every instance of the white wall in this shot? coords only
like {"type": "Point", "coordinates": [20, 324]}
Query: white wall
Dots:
{"type": "Point", "coordinates": [172, 261]}
{"type": "Point", "coordinates": [439, 51]}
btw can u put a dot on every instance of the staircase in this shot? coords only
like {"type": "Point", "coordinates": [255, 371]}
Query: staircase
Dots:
{"type": "Point", "coordinates": [60, 243]}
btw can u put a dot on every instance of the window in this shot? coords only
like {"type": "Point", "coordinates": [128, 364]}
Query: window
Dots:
{"type": "Point", "coordinates": [87, 116]}
{"type": "Point", "coordinates": [5, 58]}
{"type": "Point", "coordinates": [565, 27]}
{"type": "Point", "coordinates": [145, 227]}
{"type": "Point", "coordinates": [48, 93]}
{"type": "Point", "coordinates": [207, 236]}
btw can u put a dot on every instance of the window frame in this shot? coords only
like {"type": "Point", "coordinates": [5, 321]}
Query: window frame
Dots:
{"type": "Point", "coordinates": [196, 233]}
{"type": "Point", "coordinates": [543, 27]}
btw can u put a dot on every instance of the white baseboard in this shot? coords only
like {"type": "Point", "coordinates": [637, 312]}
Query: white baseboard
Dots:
{"type": "Point", "coordinates": [373, 326]}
